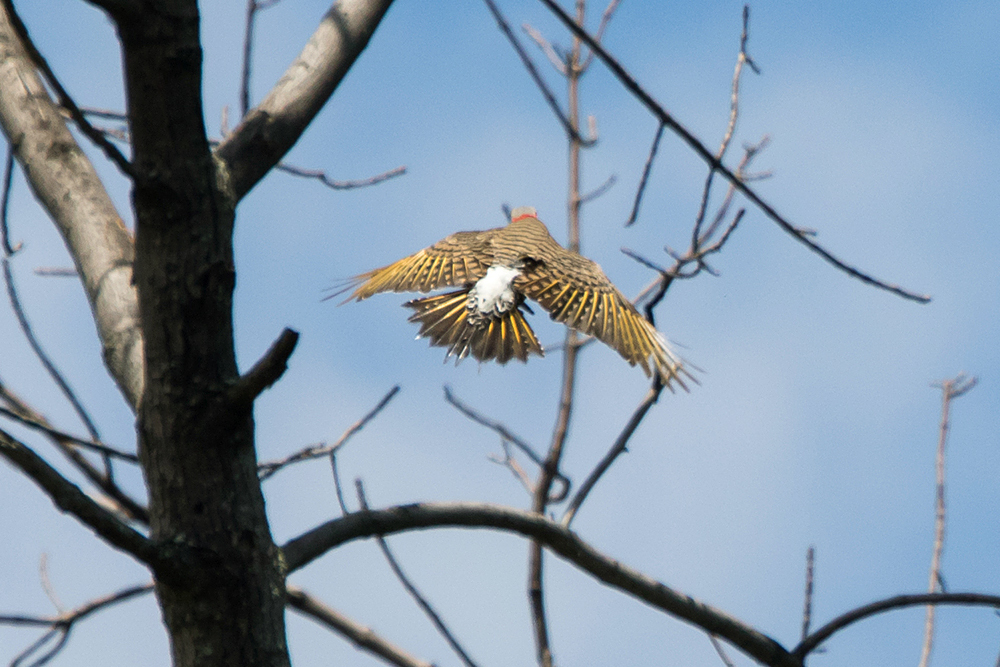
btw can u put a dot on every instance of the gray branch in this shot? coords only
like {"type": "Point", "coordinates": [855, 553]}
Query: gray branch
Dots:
{"type": "Point", "coordinates": [270, 130]}
{"type": "Point", "coordinates": [66, 184]}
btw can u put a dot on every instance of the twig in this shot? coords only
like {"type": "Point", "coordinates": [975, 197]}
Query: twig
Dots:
{"type": "Point", "coordinates": [269, 468]}
{"type": "Point", "coordinates": [417, 596]}
{"type": "Point", "coordinates": [721, 651]}
{"type": "Point", "coordinates": [609, 12]}
{"type": "Point", "coordinates": [666, 118]}
{"type": "Point", "coordinates": [338, 488]}
{"type": "Point", "coordinates": [558, 62]}
{"type": "Point", "coordinates": [8, 182]}
{"type": "Point", "coordinates": [124, 503]}
{"type": "Point", "coordinates": [59, 435]}
{"type": "Point", "coordinates": [508, 436]}
{"type": "Point", "coordinates": [110, 150]}
{"type": "Point", "coordinates": [813, 641]}
{"type": "Point", "coordinates": [807, 605]}
{"type": "Point", "coordinates": [56, 271]}
{"type": "Point", "coordinates": [69, 498]}
{"type": "Point", "coordinates": [362, 637]}
{"type": "Point", "coordinates": [29, 334]}
{"type": "Point", "coordinates": [619, 447]}
{"type": "Point", "coordinates": [599, 190]}
{"type": "Point", "coordinates": [253, 6]}
{"type": "Point", "coordinates": [950, 389]}
{"type": "Point", "coordinates": [530, 66]}
{"type": "Point", "coordinates": [63, 623]}
{"type": "Point", "coordinates": [509, 462]}
{"type": "Point", "coordinates": [645, 175]}
{"type": "Point", "coordinates": [340, 185]}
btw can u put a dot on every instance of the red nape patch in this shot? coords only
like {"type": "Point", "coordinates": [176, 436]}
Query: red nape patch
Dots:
{"type": "Point", "coordinates": [522, 217]}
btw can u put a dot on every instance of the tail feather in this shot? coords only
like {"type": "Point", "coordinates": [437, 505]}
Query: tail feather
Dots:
{"type": "Point", "coordinates": [444, 320]}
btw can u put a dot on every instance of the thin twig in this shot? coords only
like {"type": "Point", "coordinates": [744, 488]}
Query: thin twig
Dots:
{"type": "Point", "coordinates": [508, 436]}
{"type": "Point", "coordinates": [340, 185]}
{"type": "Point", "coordinates": [269, 468]}
{"type": "Point", "coordinates": [63, 97]}
{"type": "Point", "coordinates": [253, 6]}
{"type": "Point", "coordinates": [950, 389]}
{"type": "Point", "coordinates": [56, 271]}
{"type": "Point", "coordinates": [807, 605]}
{"type": "Point", "coordinates": [123, 502]}
{"type": "Point", "coordinates": [8, 182]}
{"type": "Point", "coordinates": [59, 435]}
{"type": "Point", "coordinates": [666, 118]}
{"type": "Point", "coordinates": [726, 660]}
{"type": "Point", "coordinates": [50, 367]}
{"type": "Point", "coordinates": [530, 66]}
{"type": "Point", "coordinates": [609, 12]}
{"type": "Point", "coordinates": [62, 624]}
{"type": "Point", "coordinates": [558, 62]}
{"type": "Point", "coordinates": [634, 215]}
{"type": "Point", "coordinates": [813, 641]}
{"type": "Point", "coordinates": [417, 596]}
{"type": "Point", "coordinates": [619, 447]}
{"type": "Point", "coordinates": [362, 637]}
{"type": "Point", "coordinates": [599, 190]}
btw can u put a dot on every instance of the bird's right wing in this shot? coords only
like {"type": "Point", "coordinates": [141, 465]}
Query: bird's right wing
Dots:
{"type": "Point", "coordinates": [575, 291]}
{"type": "Point", "coordinates": [456, 261]}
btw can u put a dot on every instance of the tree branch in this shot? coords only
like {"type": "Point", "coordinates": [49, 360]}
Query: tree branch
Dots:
{"type": "Point", "coordinates": [364, 638]}
{"type": "Point", "coordinates": [813, 641]}
{"type": "Point", "coordinates": [667, 119]}
{"type": "Point", "coordinates": [269, 130]}
{"type": "Point", "coordinates": [302, 550]}
{"type": "Point", "coordinates": [69, 498]}
{"type": "Point", "coordinates": [65, 183]}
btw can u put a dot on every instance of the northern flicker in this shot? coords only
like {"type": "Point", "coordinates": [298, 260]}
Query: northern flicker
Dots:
{"type": "Point", "coordinates": [495, 271]}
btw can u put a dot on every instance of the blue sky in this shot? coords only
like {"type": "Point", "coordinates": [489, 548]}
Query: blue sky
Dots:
{"type": "Point", "coordinates": [815, 423]}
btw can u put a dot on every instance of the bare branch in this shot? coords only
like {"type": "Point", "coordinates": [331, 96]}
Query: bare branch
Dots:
{"type": "Point", "coordinates": [667, 119]}
{"type": "Point", "coordinates": [634, 215]}
{"type": "Point", "coordinates": [62, 624]}
{"type": "Point", "coordinates": [717, 645]}
{"type": "Point", "coordinates": [619, 447]}
{"type": "Point", "coordinates": [365, 524]}
{"type": "Point", "coordinates": [599, 190]}
{"type": "Point", "coordinates": [50, 368]}
{"type": "Point", "coordinates": [265, 372]}
{"type": "Point", "coordinates": [546, 48]}
{"type": "Point", "coordinates": [69, 498]}
{"type": "Point", "coordinates": [66, 184]}
{"type": "Point", "coordinates": [950, 389]}
{"type": "Point", "coordinates": [508, 436]}
{"type": "Point", "coordinates": [59, 435]}
{"type": "Point", "coordinates": [417, 596]}
{"type": "Point", "coordinates": [8, 182]}
{"type": "Point", "coordinates": [530, 66]}
{"type": "Point", "coordinates": [65, 100]}
{"type": "Point", "coordinates": [813, 641]}
{"type": "Point", "coordinates": [121, 500]}
{"type": "Point", "coordinates": [807, 605]}
{"type": "Point", "coordinates": [316, 451]}
{"type": "Point", "coordinates": [270, 129]}
{"type": "Point", "coordinates": [362, 637]}
{"type": "Point", "coordinates": [340, 185]}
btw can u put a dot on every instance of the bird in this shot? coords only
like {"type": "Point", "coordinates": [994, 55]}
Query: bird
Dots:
{"type": "Point", "coordinates": [496, 272]}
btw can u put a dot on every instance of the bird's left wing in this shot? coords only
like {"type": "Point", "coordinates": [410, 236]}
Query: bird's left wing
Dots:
{"type": "Point", "coordinates": [456, 261]}
{"type": "Point", "coordinates": [575, 291]}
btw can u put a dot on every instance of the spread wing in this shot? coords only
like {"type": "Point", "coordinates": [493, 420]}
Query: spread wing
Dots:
{"type": "Point", "coordinates": [456, 261]}
{"type": "Point", "coordinates": [575, 291]}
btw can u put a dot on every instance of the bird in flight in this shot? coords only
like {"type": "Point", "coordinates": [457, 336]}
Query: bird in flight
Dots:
{"type": "Point", "coordinates": [496, 271]}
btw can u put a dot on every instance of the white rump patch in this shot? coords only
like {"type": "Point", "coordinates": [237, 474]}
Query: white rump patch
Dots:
{"type": "Point", "coordinates": [493, 294]}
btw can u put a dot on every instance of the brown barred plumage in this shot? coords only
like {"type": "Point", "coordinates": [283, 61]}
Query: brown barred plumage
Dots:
{"type": "Point", "coordinates": [483, 318]}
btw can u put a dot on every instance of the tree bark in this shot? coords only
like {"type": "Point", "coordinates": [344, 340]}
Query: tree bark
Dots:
{"type": "Point", "coordinates": [203, 486]}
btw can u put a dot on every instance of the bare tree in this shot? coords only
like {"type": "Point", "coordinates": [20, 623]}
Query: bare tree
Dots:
{"type": "Point", "coordinates": [162, 303]}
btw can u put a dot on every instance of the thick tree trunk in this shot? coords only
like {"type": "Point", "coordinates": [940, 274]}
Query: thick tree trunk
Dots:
{"type": "Point", "coordinates": [203, 486]}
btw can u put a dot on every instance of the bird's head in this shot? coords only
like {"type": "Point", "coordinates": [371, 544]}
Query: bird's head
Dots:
{"type": "Point", "coordinates": [522, 212]}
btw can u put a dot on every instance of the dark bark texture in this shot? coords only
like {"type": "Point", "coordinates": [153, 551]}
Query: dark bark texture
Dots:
{"type": "Point", "coordinates": [204, 492]}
